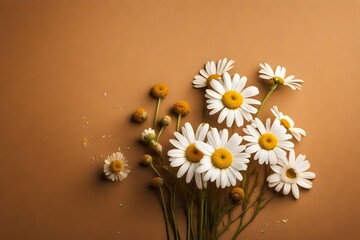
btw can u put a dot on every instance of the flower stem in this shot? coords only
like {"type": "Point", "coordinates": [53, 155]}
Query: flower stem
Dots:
{"type": "Point", "coordinates": [156, 112]}
{"type": "Point", "coordinates": [160, 132]}
{"type": "Point", "coordinates": [272, 89]}
{"type": "Point", "coordinates": [154, 169]}
{"type": "Point", "coordinates": [178, 122]}
{"type": "Point", "coordinates": [165, 213]}
{"type": "Point", "coordinates": [202, 201]}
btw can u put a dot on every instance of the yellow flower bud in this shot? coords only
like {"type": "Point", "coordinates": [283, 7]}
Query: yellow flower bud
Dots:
{"type": "Point", "coordinates": [160, 90]}
{"type": "Point", "coordinates": [237, 194]}
{"type": "Point", "coordinates": [147, 159]}
{"type": "Point", "coordinates": [157, 182]}
{"type": "Point", "coordinates": [140, 115]}
{"type": "Point", "coordinates": [182, 107]}
{"type": "Point", "coordinates": [166, 120]}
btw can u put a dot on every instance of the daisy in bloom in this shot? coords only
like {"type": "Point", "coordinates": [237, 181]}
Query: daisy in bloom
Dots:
{"type": "Point", "coordinates": [289, 173]}
{"type": "Point", "coordinates": [223, 158]}
{"type": "Point", "coordinates": [186, 154]}
{"type": "Point", "coordinates": [288, 123]}
{"type": "Point", "coordinates": [268, 142]}
{"type": "Point", "coordinates": [116, 167]}
{"type": "Point", "coordinates": [279, 76]}
{"type": "Point", "coordinates": [211, 72]}
{"type": "Point", "coordinates": [232, 100]}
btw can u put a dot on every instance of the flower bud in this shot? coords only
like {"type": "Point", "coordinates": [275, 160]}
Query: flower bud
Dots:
{"type": "Point", "coordinates": [166, 120]}
{"type": "Point", "coordinates": [237, 194]}
{"type": "Point", "coordinates": [157, 182]}
{"type": "Point", "coordinates": [147, 159]}
{"type": "Point", "coordinates": [182, 108]}
{"type": "Point", "coordinates": [148, 135]}
{"type": "Point", "coordinates": [140, 115]}
{"type": "Point", "coordinates": [157, 147]}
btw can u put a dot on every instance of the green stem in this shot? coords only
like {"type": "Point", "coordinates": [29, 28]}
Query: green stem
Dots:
{"type": "Point", "coordinates": [160, 132]}
{"type": "Point", "coordinates": [154, 169]}
{"type": "Point", "coordinates": [172, 207]}
{"type": "Point", "coordinates": [165, 213]}
{"type": "Point", "coordinates": [272, 89]}
{"type": "Point", "coordinates": [202, 200]}
{"type": "Point", "coordinates": [156, 112]}
{"type": "Point", "coordinates": [178, 122]}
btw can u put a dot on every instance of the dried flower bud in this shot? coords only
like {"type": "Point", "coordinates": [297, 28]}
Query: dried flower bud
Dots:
{"type": "Point", "coordinates": [160, 90]}
{"type": "Point", "coordinates": [157, 182]}
{"type": "Point", "coordinates": [166, 120]}
{"type": "Point", "coordinates": [157, 147]}
{"type": "Point", "coordinates": [147, 159]}
{"type": "Point", "coordinates": [237, 194]}
{"type": "Point", "coordinates": [140, 115]}
{"type": "Point", "coordinates": [148, 135]}
{"type": "Point", "coordinates": [182, 108]}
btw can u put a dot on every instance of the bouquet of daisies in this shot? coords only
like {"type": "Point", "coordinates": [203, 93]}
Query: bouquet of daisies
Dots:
{"type": "Point", "coordinates": [222, 177]}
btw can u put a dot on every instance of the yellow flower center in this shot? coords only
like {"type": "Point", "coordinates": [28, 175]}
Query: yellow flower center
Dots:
{"type": "Point", "coordinates": [290, 173]}
{"type": "Point", "coordinates": [232, 99]}
{"type": "Point", "coordinates": [268, 141]}
{"type": "Point", "coordinates": [278, 80]}
{"type": "Point", "coordinates": [193, 154]}
{"type": "Point", "coordinates": [117, 166]}
{"type": "Point", "coordinates": [285, 123]}
{"type": "Point", "coordinates": [221, 158]}
{"type": "Point", "coordinates": [212, 77]}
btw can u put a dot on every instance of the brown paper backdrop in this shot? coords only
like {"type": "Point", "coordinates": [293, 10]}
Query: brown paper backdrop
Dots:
{"type": "Point", "coordinates": [58, 58]}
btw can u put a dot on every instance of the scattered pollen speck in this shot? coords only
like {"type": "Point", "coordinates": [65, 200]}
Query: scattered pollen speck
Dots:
{"type": "Point", "coordinates": [109, 136]}
{"type": "Point", "coordinates": [278, 222]}
{"type": "Point", "coordinates": [83, 117]}
{"type": "Point", "coordinates": [85, 142]}
{"type": "Point", "coordinates": [93, 158]}
{"type": "Point", "coordinates": [265, 224]}
{"type": "Point", "coordinates": [87, 123]}
{"type": "Point", "coordinates": [120, 205]}
{"type": "Point", "coordinates": [103, 136]}
{"type": "Point", "coordinates": [262, 231]}
{"type": "Point", "coordinates": [285, 220]}
{"type": "Point", "coordinates": [105, 94]}
{"type": "Point", "coordinates": [128, 148]}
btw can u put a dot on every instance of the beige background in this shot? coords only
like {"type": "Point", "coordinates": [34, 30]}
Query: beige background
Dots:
{"type": "Point", "coordinates": [57, 58]}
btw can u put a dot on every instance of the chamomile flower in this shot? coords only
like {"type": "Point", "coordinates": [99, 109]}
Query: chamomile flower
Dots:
{"type": "Point", "coordinates": [116, 167]}
{"type": "Point", "coordinates": [288, 123]}
{"type": "Point", "coordinates": [278, 77]}
{"type": "Point", "coordinates": [268, 142]}
{"type": "Point", "coordinates": [289, 173]}
{"type": "Point", "coordinates": [232, 100]}
{"type": "Point", "coordinates": [223, 159]}
{"type": "Point", "coordinates": [186, 155]}
{"type": "Point", "coordinates": [211, 72]}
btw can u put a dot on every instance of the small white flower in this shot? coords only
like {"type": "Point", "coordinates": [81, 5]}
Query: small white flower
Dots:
{"type": "Point", "coordinates": [211, 72]}
{"type": "Point", "coordinates": [148, 135]}
{"type": "Point", "coordinates": [116, 167]}
{"type": "Point", "coordinates": [224, 158]}
{"type": "Point", "coordinates": [268, 142]}
{"type": "Point", "coordinates": [187, 155]}
{"type": "Point", "coordinates": [288, 123]}
{"type": "Point", "coordinates": [278, 77]}
{"type": "Point", "coordinates": [291, 173]}
{"type": "Point", "coordinates": [232, 100]}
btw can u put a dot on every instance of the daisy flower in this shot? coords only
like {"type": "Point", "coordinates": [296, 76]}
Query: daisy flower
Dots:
{"type": "Point", "coordinates": [116, 167]}
{"type": "Point", "coordinates": [279, 76]}
{"type": "Point", "coordinates": [232, 100]}
{"type": "Point", "coordinates": [289, 173]}
{"type": "Point", "coordinates": [211, 72]}
{"type": "Point", "coordinates": [288, 123]}
{"type": "Point", "coordinates": [268, 142]}
{"type": "Point", "coordinates": [223, 158]}
{"type": "Point", "coordinates": [186, 155]}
